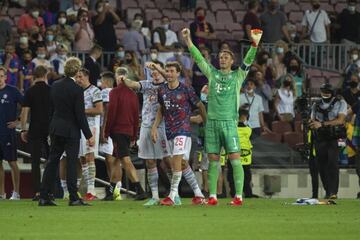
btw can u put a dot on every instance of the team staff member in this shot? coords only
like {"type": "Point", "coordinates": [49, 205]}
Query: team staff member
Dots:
{"type": "Point", "coordinates": [327, 117]}
{"type": "Point", "coordinates": [36, 102]}
{"type": "Point", "coordinates": [68, 118]}
{"type": "Point", "coordinates": [124, 130]}
{"type": "Point", "coordinates": [10, 97]}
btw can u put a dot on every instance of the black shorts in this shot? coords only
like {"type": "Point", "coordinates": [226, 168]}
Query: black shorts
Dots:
{"type": "Point", "coordinates": [121, 145]}
{"type": "Point", "coordinates": [8, 147]}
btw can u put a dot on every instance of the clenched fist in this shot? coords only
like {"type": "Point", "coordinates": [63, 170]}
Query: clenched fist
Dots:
{"type": "Point", "coordinates": [185, 33]}
{"type": "Point", "coordinates": [256, 35]}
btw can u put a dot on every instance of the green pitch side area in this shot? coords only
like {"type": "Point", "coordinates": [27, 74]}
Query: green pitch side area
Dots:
{"type": "Point", "coordinates": [257, 219]}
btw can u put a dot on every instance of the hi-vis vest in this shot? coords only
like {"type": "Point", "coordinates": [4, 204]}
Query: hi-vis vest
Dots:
{"type": "Point", "coordinates": [245, 145]}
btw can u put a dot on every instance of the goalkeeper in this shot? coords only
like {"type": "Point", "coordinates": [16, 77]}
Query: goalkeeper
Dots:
{"type": "Point", "coordinates": [223, 106]}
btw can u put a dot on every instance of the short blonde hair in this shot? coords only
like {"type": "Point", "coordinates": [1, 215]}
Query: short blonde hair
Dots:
{"type": "Point", "coordinates": [121, 71]}
{"type": "Point", "coordinates": [72, 66]}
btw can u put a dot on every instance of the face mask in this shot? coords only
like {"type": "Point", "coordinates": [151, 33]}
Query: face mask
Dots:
{"type": "Point", "coordinates": [249, 90]}
{"type": "Point", "coordinates": [98, 84]}
{"type": "Point", "coordinates": [353, 84]}
{"type": "Point", "coordinates": [354, 57]}
{"type": "Point", "coordinates": [316, 6]}
{"type": "Point", "coordinates": [294, 68]}
{"type": "Point", "coordinates": [352, 8]}
{"type": "Point", "coordinates": [62, 56]}
{"type": "Point", "coordinates": [140, 22]}
{"type": "Point", "coordinates": [62, 21]}
{"type": "Point", "coordinates": [120, 54]}
{"type": "Point", "coordinates": [35, 14]}
{"type": "Point", "coordinates": [326, 99]}
{"type": "Point", "coordinates": [293, 35]}
{"type": "Point", "coordinates": [50, 38]}
{"type": "Point", "coordinates": [153, 56]}
{"type": "Point", "coordinates": [41, 55]}
{"type": "Point", "coordinates": [203, 97]}
{"type": "Point", "coordinates": [23, 40]}
{"type": "Point", "coordinates": [100, 9]}
{"type": "Point", "coordinates": [280, 50]}
{"type": "Point", "coordinates": [166, 26]}
{"type": "Point", "coordinates": [201, 18]}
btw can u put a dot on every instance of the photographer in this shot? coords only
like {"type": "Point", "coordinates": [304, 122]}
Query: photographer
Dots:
{"type": "Point", "coordinates": [327, 123]}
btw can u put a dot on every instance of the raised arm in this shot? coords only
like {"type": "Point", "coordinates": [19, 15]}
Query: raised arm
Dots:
{"type": "Point", "coordinates": [153, 66]}
{"type": "Point", "coordinates": [131, 84]}
{"type": "Point", "coordinates": [203, 64]}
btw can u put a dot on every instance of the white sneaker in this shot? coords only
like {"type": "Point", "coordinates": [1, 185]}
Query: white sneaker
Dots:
{"type": "Point", "coordinates": [15, 196]}
{"type": "Point", "coordinates": [3, 197]}
{"type": "Point", "coordinates": [66, 196]}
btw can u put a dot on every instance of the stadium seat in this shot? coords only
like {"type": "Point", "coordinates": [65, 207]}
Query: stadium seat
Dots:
{"type": "Point", "coordinates": [156, 22]}
{"type": "Point", "coordinates": [202, 3]}
{"type": "Point", "coordinates": [281, 127]}
{"type": "Point", "coordinates": [316, 82]}
{"type": "Point", "coordinates": [178, 24]}
{"type": "Point", "coordinates": [238, 35]}
{"type": "Point", "coordinates": [236, 5]}
{"type": "Point", "coordinates": [239, 16]}
{"type": "Point", "coordinates": [130, 13]}
{"type": "Point", "coordinates": [189, 16]}
{"type": "Point", "coordinates": [217, 5]}
{"type": "Point", "coordinates": [152, 13]}
{"type": "Point", "coordinates": [291, 7]}
{"type": "Point", "coordinates": [273, 137]}
{"type": "Point", "coordinates": [339, 7]}
{"type": "Point", "coordinates": [125, 4]}
{"type": "Point", "coordinates": [311, 72]}
{"type": "Point", "coordinates": [305, 6]}
{"type": "Point", "coordinates": [172, 14]}
{"type": "Point", "coordinates": [293, 138]}
{"type": "Point", "coordinates": [233, 27]}
{"type": "Point", "coordinates": [113, 3]}
{"type": "Point", "coordinates": [146, 4]}
{"type": "Point", "coordinates": [120, 25]}
{"type": "Point", "coordinates": [296, 17]}
{"type": "Point", "coordinates": [120, 34]}
{"type": "Point", "coordinates": [224, 16]}
{"type": "Point", "coordinates": [15, 12]}
{"type": "Point", "coordinates": [219, 26]}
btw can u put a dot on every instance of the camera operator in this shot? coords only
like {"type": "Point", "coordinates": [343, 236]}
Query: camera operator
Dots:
{"type": "Point", "coordinates": [327, 123]}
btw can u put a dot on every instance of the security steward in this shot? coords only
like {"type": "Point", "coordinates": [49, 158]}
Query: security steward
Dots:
{"type": "Point", "coordinates": [328, 125]}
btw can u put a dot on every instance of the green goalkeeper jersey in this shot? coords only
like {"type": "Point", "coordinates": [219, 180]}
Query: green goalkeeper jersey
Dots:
{"type": "Point", "coordinates": [224, 88]}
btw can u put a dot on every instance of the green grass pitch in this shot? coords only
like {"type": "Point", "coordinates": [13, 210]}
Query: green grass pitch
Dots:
{"type": "Point", "coordinates": [127, 219]}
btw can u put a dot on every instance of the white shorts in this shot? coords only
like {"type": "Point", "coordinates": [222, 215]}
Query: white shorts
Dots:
{"type": "Point", "coordinates": [84, 148]}
{"type": "Point", "coordinates": [107, 148]}
{"type": "Point", "coordinates": [181, 145]}
{"type": "Point", "coordinates": [150, 150]}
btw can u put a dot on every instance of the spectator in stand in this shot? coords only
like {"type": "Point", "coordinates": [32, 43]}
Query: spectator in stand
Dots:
{"type": "Point", "coordinates": [164, 39]}
{"type": "Point", "coordinates": [5, 31]}
{"type": "Point", "coordinates": [103, 24]}
{"type": "Point", "coordinates": [349, 20]}
{"type": "Point", "coordinates": [72, 12]}
{"type": "Point", "coordinates": [316, 24]}
{"type": "Point", "coordinates": [23, 44]}
{"type": "Point", "coordinates": [199, 79]}
{"type": "Point", "coordinates": [51, 14]}
{"type": "Point", "coordinates": [185, 64]}
{"type": "Point", "coordinates": [35, 40]}
{"type": "Point", "coordinates": [256, 108]}
{"type": "Point", "coordinates": [297, 73]}
{"type": "Point", "coordinates": [84, 34]}
{"type": "Point", "coordinates": [154, 54]}
{"type": "Point", "coordinates": [135, 70]}
{"type": "Point", "coordinates": [264, 64]}
{"type": "Point", "coordinates": [64, 33]}
{"type": "Point", "coordinates": [11, 62]}
{"type": "Point", "coordinates": [273, 23]}
{"type": "Point", "coordinates": [41, 57]}
{"type": "Point", "coordinates": [352, 94]}
{"type": "Point", "coordinates": [352, 68]}
{"type": "Point", "coordinates": [251, 19]}
{"type": "Point", "coordinates": [26, 71]}
{"type": "Point", "coordinates": [50, 43]}
{"type": "Point", "coordinates": [284, 101]}
{"type": "Point", "coordinates": [58, 61]}
{"type": "Point", "coordinates": [92, 65]}
{"type": "Point", "coordinates": [145, 31]}
{"type": "Point", "coordinates": [133, 40]}
{"type": "Point", "coordinates": [279, 59]}
{"type": "Point", "coordinates": [30, 19]}
{"type": "Point", "coordinates": [264, 90]}
{"type": "Point", "coordinates": [118, 59]}
{"type": "Point", "coordinates": [201, 31]}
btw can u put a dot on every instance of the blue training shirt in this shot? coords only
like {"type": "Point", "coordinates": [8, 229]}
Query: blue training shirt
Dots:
{"type": "Point", "coordinates": [9, 98]}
